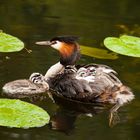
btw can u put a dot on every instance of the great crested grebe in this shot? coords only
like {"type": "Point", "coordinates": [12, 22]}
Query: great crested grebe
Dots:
{"type": "Point", "coordinates": [25, 87]}
{"type": "Point", "coordinates": [93, 83]}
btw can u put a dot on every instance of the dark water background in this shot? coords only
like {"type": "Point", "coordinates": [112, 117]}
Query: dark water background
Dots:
{"type": "Point", "coordinates": [92, 21]}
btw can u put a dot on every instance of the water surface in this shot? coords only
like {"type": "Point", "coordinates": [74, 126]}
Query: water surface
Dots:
{"type": "Point", "coordinates": [92, 21]}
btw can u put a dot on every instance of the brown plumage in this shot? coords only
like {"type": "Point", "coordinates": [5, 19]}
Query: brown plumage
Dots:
{"type": "Point", "coordinates": [90, 83]}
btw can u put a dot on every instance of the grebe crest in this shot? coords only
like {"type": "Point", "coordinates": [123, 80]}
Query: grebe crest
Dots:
{"type": "Point", "coordinates": [67, 46]}
{"type": "Point", "coordinates": [91, 83]}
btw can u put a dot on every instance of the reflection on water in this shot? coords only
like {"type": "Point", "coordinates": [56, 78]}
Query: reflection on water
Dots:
{"type": "Point", "coordinates": [92, 21]}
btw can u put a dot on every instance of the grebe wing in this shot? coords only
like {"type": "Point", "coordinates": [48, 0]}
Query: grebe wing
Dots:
{"type": "Point", "coordinates": [102, 78]}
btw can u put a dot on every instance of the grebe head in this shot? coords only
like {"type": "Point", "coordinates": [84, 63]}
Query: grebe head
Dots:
{"type": "Point", "coordinates": [67, 46]}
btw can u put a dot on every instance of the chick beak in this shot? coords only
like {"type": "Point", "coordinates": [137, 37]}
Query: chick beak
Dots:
{"type": "Point", "coordinates": [48, 43]}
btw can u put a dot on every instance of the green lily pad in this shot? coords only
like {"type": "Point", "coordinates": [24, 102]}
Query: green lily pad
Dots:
{"type": "Point", "coordinates": [125, 45]}
{"type": "Point", "coordinates": [20, 114]}
{"type": "Point", "coordinates": [10, 43]}
{"type": "Point", "coordinates": [97, 53]}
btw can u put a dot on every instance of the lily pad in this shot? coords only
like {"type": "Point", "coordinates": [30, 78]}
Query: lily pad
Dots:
{"type": "Point", "coordinates": [125, 45]}
{"type": "Point", "coordinates": [9, 43]}
{"type": "Point", "coordinates": [20, 114]}
{"type": "Point", "coordinates": [97, 53]}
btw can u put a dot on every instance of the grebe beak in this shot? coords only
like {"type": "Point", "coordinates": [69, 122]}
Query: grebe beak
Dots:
{"type": "Point", "coordinates": [48, 43]}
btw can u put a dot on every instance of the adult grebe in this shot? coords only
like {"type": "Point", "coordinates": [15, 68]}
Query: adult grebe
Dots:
{"type": "Point", "coordinates": [93, 83]}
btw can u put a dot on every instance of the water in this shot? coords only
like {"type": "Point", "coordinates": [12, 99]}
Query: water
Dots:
{"type": "Point", "coordinates": [92, 21]}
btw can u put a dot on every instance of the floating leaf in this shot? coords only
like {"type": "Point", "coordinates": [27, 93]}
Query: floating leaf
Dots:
{"type": "Point", "coordinates": [10, 43]}
{"type": "Point", "coordinates": [97, 53]}
{"type": "Point", "coordinates": [16, 113]}
{"type": "Point", "coordinates": [125, 45]}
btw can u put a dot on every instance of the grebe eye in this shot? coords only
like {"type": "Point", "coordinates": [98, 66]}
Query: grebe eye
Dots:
{"type": "Point", "coordinates": [53, 42]}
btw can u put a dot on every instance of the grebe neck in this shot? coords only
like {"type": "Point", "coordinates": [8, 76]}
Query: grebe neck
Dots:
{"type": "Point", "coordinates": [69, 54]}
{"type": "Point", "coordinates": [54, 70]}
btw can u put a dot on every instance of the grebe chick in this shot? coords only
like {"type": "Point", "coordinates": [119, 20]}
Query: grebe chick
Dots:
{"type": "Point", "coordinates": [26, 87]}
{"type": "Point", "coordinates": [93, 83]}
